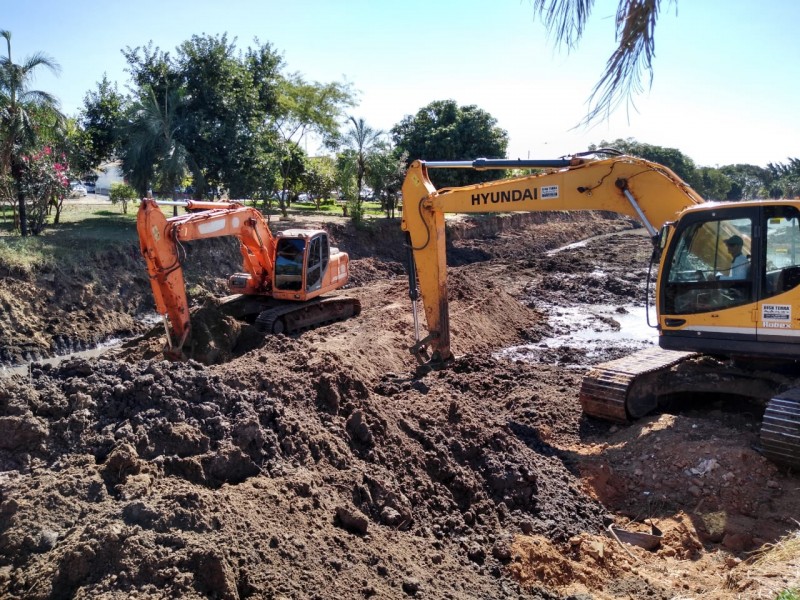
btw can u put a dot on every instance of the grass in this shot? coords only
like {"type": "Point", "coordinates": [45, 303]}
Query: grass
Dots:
{"type": "Point", "coordinates": [90, 228]}
{"type": "Point", "coordinates": [780, 553]}
{"type": "Point", "coordinates": [84, 228]}
{"type": "Point", "coordinates": [785, 549]}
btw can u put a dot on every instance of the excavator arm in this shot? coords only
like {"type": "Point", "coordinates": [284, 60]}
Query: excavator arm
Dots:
{"type": "Point", "coordinates": [646, 191]}
{"type": "Point", "coordinates": [160, 240]}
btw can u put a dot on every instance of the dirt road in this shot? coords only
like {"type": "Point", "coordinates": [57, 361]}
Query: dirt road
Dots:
{"type": "Point", "coordinates": [324, 466]}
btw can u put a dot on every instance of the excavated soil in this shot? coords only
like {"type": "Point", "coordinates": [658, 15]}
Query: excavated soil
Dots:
{"type": "Point", "coordinates": [325, 465]}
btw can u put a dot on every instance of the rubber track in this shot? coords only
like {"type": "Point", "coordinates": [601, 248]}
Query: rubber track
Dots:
{"type": "Point", "coordinates": [780, 430]}
{"type": "Point", "coordinates": [299, 317]}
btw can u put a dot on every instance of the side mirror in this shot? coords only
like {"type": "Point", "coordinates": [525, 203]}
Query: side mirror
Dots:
{"type": "Point", "coordinates": [660, 242]}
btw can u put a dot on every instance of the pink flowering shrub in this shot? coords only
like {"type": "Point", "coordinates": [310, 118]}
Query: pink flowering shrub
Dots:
{"type": "Point", "coordinates": [45, 184]}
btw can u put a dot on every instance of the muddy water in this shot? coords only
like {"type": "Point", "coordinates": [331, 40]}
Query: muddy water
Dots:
{"type": "Point", "coordinates": [590, 334]}
{"type": "Point", "coordinates": [98, 350]}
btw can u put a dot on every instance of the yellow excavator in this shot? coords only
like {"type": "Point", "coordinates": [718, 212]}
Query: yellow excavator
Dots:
{"type": "Point", "coordinates": [283, 278]}
{"type": "Point", "coordinates": [728, 282]}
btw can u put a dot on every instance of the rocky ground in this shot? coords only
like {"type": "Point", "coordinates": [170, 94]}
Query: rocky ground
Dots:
{"type": "Point", "coordinates": [325, 465]}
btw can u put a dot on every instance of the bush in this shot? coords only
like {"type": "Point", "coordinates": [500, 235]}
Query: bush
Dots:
{"type": "Point", "coordinates": [124, 193]}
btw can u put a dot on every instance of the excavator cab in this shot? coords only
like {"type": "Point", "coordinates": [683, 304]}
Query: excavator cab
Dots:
{"type": "Point", "coordinates": [727, 279]}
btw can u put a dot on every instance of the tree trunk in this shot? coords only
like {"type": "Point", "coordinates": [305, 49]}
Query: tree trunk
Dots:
{"type": "Point", "coordinates": [16, 175]}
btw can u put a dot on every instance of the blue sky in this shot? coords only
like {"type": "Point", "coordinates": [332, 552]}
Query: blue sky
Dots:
{"type": "Point", "coordinates": [725, 89]}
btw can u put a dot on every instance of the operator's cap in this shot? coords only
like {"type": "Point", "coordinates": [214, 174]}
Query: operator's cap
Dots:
{"type": "Point", "coordinates": [734, 240]}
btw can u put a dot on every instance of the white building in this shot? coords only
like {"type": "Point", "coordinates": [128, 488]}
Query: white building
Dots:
{"type": "Point", "coordinates": [108, 173]}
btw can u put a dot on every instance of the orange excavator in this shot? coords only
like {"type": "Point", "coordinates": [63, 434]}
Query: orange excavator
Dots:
{"type": "Point", "coordinates": [283, 275]}
{"type": "Point", "coordinates": [728, 283]}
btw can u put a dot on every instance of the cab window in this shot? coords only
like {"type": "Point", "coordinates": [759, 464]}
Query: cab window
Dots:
{"type": "Point", "coordinates": [289, 264]}
{"type": "Point", "coordinates": [314, 274]}
{"type": "Point", "coordinates": [711, 267]}
{"type": "Point", "coordinates": [782, 250]}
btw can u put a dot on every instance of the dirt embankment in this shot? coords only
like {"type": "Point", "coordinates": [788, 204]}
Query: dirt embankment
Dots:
{"type": "Point", "coordinates": [323, 465]}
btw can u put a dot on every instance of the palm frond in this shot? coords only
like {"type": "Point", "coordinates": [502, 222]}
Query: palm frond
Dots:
{"type": "Point", "coordinates": [565, 19]}
{"type": "Point", "coordinates": [622, 78]}
{"type": "Point", "coordinates": [40, 59]}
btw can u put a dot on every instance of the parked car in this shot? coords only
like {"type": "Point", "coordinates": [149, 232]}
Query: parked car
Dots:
{"type": "Point", "coordinates": [89, 185]}
{"type": "Point", "coordinates": [77, 189]}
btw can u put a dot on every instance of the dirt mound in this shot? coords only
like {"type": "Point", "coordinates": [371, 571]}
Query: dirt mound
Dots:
{"type": "Point", "coordinates": [142, 448]}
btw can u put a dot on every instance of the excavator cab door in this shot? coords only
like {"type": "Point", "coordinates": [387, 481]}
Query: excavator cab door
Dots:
{"type": "Point", "coordinates": [778, 321]}
{"type": "Point", "coordinates": [319, 253]}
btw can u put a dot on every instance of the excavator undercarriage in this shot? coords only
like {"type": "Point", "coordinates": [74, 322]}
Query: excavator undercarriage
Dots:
{"type": "Point", "coordinates": [272, 316]}
{"type": "Point", "coordinates": [629, 388]}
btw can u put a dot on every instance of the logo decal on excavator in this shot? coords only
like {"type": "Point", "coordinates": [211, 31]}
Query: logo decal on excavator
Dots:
{"type": "Point", "coordinates": [503, 196]}
{"type": "Point", "coordinates": [782, 313]}
{"type": "Point", "coordinates": [549, 191]}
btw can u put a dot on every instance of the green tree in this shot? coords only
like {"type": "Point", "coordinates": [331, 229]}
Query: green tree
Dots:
{"type": "Point", "coordinates": [747, 181]}
{"type": "Point", "coordinates": [712, 183]}
{"type": "Point", "coordinates": [153, 153]}
{"type": "Point", "coordinates": [444, 131]}
{"type": "Point", "coordinates": [122, 193]}
{"type": "Point", "coordinates": [786, 179]}
{"type": "Point", "coordinates": [292, 166]}
{"type": "Point", "coordinates": [385, 174]}
{"type": "Point", "coordinates": [635, 25]}
{"type": "Point", "coordinates": [682, 165]}
{"type": "Point", "coordinates": [319, 179]}
{"type": "Point", "coordinates": [228, 99]}
{"type": "Point", "coordinates": [24, 114]}
{"type": "Point", "coordinates": [362, 140]}
{"type": "Point", "coordinates": [305, 108]}
{"type": "Point", "coordinates": [346, 169]}
{"type": "Point", "coordinates": [101, 119]}
{"type": "Point", "coordinates": [150, 68]}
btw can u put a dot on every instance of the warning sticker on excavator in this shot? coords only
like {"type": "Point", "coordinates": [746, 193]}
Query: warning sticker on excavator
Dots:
{"type": "Point", "coordinates": [549, 191]}
{"type": "Point", "coordinates": [776, 312]}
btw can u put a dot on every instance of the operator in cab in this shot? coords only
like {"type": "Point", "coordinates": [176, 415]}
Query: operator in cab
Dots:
{"type": "Point", "coordinates": [740, 264]}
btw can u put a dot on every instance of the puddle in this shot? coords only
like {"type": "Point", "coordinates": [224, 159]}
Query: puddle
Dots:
{"type": "Point", "coordinates": [602, 236]}
{"type": "Point", "coordinates": [588, 334]}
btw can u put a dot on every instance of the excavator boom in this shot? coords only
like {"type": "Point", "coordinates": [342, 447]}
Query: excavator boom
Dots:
{"type": "Point", "coordinates": [643, 190]}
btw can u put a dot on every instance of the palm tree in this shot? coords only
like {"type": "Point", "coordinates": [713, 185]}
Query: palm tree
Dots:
{"type": "Point", "coordinates": [635, 20]}
{"type": "Point", "coordinates": [362, 139]}
{"type": "Point", "coordinates": [19, 107]}
{"type": "Point", "coordinates": [153, 153]}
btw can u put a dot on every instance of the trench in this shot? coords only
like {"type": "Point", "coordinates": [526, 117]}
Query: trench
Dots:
{"type": "Point", "coordinates": [95, 351]}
